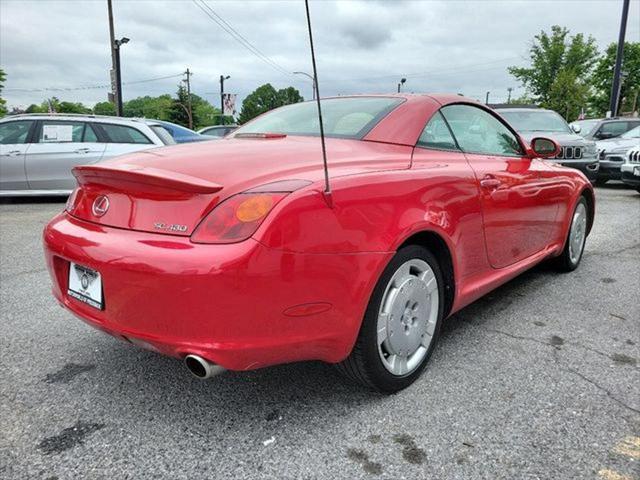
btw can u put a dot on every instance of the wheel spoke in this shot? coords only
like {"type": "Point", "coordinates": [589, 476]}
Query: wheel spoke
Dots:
{"type": "Point", "coordinates": [382, 327]}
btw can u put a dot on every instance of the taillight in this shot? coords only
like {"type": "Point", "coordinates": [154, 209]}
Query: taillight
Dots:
{"type": "Point", "coordinates": [72, 201]}
{"type": "Point", "coordinates": [237, 218]}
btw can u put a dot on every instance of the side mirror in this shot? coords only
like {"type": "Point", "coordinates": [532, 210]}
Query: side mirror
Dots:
{"type": "Point", "coordinates": [544, 147]}
{"type": "Point", "coordinates": [576, 128]}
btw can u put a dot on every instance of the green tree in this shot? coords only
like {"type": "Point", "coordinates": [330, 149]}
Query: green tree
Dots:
{"type": "Point", "coordinates": [559, 63]}
{"type": "Point", "coordinates": [158, 108]}
{"type": "Point", "coordinates": [203, 113]}
{"type": "Point", "coordinates": [567, 95]}
{"type": "Point", "coordinates": [179, 112]}
{"type": "Point", "coordinates": [265, 98]}
{"type": "Point", "coordinates": [104, 108]}
{"type": "Point", "coordinates": [33, 108]}
{"type": "Point", "coordinates": [603, 79]}
{"type": "Point", "coordinates": [72, 107]}
{"type": "Point", "coordinates": [3, 102]}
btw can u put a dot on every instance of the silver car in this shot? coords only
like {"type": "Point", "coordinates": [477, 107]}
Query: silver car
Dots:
{"type": "Point", "coordinates": [38, 151]}
{"type": "Point", "coordinates": [613, 152]}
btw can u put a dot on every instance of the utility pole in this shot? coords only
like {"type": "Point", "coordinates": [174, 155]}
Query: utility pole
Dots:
{"type": "Point", "coordinates": [188, 82]}
{"type": "Point", "coordinates": [115, 87]}
{"type": "Point", "coordinates": [222, 79]}
{"type": "Point", "coordinates": [616, 86]}
{"type": "Point", "coordinates": [486, 101]}
{"type": "Point", "coordinates": [509, 96]}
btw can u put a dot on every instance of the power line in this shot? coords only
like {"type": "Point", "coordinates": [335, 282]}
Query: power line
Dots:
{"type": "Point", "coordinates": [445, 71]}
{"type": "Point", "coordinates": [89, 87]}
{"type": "Point", "coordinates": [227, 27]}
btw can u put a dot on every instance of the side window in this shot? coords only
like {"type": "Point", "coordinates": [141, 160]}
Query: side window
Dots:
{"type": "Point", "coordinates": [612, 129]}
{"type": "Point", "coordinates": [123, 134]}
{"type": "Point", "coordinates": [15, 132]}
{"type": "Point", "coordinates": [60, 131]}
{"type": "Point", "coordinates": [478, 131]}
{"type": "Point", "coordinates": [437, 135]}
{"type": "Point", "coordinates": [89, 134]}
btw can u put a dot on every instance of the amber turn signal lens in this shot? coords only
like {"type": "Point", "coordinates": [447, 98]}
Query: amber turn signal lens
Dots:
{"type": "Point", "coordinates": [254, 208]}
{"type": "Point", "coordinates": [237, 218]}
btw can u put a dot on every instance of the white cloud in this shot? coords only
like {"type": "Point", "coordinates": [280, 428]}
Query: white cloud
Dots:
{"type": "Point", "coordinates": [361, 46]}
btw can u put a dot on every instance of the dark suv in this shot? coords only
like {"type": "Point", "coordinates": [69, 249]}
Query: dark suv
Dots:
{"type": "Point", "coordinates": [605, 128]}
{"type": "Point", "coordinates": [576, 152]}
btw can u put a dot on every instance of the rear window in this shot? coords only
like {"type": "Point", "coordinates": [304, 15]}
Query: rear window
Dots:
{"type": "Point", "coordinates": [349, 117]}
{"type": "Point", "coordinates": [164, 134]}
{"type": "Point", "coordinates": [15, 132]}
{"type": "Point", "coordinates": [123, 134]}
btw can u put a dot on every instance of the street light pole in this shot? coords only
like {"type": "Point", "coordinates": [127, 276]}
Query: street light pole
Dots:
{"type": "Point", "coordinates": [313, 82]}
{"type": "Point", "coordinates": [402, 81]}
{"type": "Point", "coordinates": [118, 93]}
{"type": "Point", "coordinates": [486, 100]}
{"type": "Point", "coordinates": [114, 61]}
{"type": "Point", "coordinates": [222, 79]}
{"type": "Point", "coordinates": [616, 86]}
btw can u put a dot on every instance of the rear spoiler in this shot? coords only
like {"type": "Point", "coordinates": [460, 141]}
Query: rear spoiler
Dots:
{"type": "Point", "coordinates": [144, 175]}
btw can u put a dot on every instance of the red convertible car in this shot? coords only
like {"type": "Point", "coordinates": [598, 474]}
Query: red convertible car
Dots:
{"type": "Point", "coordinates": [233, 255]}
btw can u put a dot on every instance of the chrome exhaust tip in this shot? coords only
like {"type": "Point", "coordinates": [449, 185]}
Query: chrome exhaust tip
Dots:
{"type": "Point", "coordinates": [201, 368]}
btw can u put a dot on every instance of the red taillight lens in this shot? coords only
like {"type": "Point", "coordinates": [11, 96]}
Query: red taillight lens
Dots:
{"type": "Point", "coordinates": [237, 218]}
{"type": "Point", "coordinates": [72, 201]}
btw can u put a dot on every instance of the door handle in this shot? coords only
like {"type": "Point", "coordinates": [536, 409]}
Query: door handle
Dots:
{"type": "Point", "coordinates": [490, 182]}
{"type": "Point", "coordinates": [83, 150]}
{"type": "Point", "coordinates": [14, 152]}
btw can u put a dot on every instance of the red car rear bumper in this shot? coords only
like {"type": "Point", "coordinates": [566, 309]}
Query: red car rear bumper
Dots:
{"type": "Point", "coordinates": [241, 306]}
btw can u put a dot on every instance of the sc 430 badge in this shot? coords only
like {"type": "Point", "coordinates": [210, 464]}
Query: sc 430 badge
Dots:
{"type": "Point", "coordinates": [170, 227]}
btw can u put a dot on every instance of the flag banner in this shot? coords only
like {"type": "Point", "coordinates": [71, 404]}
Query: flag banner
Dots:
{"type": "Point", "coordinates": [229, 104]}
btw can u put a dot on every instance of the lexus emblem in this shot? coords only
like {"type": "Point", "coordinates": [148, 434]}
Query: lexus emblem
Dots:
{"type": "Point", "coordinates": [100, 205]}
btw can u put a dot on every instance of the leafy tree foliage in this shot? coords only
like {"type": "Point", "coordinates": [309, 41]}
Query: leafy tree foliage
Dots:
{"type": "Point", "coordinates": [204, 114]}
{"type": "Point", "coordinates": [265, 98]}
{"type": "Point", "coordinates": [603, 79]}
{"type": "Point", "coordinates": [3, 102]}
{"type": "Point", "coordinates": [104, 108]}
{"type": "Point", "coordinates": [560, 64]}
{"type": "Point", "coordinates": [148, 107]}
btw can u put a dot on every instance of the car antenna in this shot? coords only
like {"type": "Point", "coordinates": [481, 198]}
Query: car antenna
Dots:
{"type": "Point", "coordinates": [327, 187]}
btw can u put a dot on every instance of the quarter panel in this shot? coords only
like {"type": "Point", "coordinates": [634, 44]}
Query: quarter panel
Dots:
{"type": "Point", "coordinates": [377, 212]}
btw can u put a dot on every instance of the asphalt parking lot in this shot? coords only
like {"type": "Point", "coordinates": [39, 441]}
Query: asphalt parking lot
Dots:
{"type": "Point", "coordinates": [539, 380]}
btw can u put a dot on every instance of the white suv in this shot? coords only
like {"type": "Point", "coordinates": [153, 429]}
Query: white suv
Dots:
{"type": "Point", "coordinates": [38, 151]}
{"type": "Point", "coordinates": [630, 169]}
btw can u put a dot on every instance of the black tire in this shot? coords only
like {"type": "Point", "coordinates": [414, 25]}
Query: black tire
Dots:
{"type": "Point", "coordinates": [564, 263]}
{"type": "Point", "coordinates": [364, 364]}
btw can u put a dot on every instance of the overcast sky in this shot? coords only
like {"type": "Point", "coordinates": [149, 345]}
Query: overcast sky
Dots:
{"type": "Point", "coordinates": [361, 46]}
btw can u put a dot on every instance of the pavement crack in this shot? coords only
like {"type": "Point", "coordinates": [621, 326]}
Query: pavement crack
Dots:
{"type": "Point", "coordinates": [25, 272]}
{"type": "Point", "coordinates": [599, 387]}
{"type": "Point", "coordinates": [568, 369]}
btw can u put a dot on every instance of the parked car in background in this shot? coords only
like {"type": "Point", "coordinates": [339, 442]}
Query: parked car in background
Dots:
{"type": "Point", "coordinates": [576, 152]}
{"type": "Point", "coordinates": [179, 133]}
{"type": "Point", "coordinates": [217, 131]}
{"type": "Point", "coordinates": [613, 153]}
{"type": "Point", "coordinates": [584, 127]}
{"type": "Point", "coordinates": [236, 255]}
{"type": "Point", "coordinates": [38, 151]}
{"type": "Point", "coordinates": [630, 169]}
{"type": "Point", "coordinates": [610, 128]}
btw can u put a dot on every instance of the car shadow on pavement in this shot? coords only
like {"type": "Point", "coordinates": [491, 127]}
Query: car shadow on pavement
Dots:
{"type": "Point", "coordinates": [32, 200]}
{"type": "Point", "coordinates": [307, 395]}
